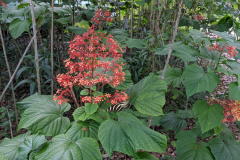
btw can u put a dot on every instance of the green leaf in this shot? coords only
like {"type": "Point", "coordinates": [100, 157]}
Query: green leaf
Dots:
{"type": "Point", "coordinates": [235, 6]}
{"type": "Point", "coordinates": [173, 121]}
{"type": "Point", "coordinates": [99, 116]}
{"type": "Point", "coordinates": [60, 10]}
{"type": "Point", "coordinates": [29, 101]}
{"type": "Point", "coordinates": [127, 83]}
{"type": "Point", "coordinates": [197, 130]}
{"type": "Point", "coordinates": [17, 27]}
{"type": "Point", "coordinates": [226, 133]}
{"type": "Point", "coordinates": [82, 24]}
{"type": "Point", "coordinates": [84, 93]}
{"type": "Point", "coordinates": [208, 116]}
{"type": "Point", "coordinates": [197, 81]}
{"type": "Point", "coordinates": [209, 55]}
{"type": "Point", "coordinates": [62, 147]}
{"type": "Point", "coordinates": [223, 150]}
{"type": "Point", "coordinates": [30, 143]}
{"type": "Point", "coordinates": [46, 116]}
{"type": "Point", "coordinates": [187, 114]}
{"type": "Point", "coordinates": [9, 147]}
{"type": "Point", "coordinates": [189, 149]}
{"type": "Point", "coordinates": [164, 50]}
{"type": "Point", "coordinates": [90, 108]}
{"type": "Point", "coordinates": [119, 35]}
{"type": "Point", "coordinates": [39, 10]}
{"type": "Point", "coordinates": [196, 35]}
{"type": "Point", "coordinates": [2, 157]}
{"type": "Point", "coordinates": [145, 156]}
{"type": "Point", "coordinates": [129, 134]}
{"type": "Point", "coordinates": [76, 30]}
{"type": "Point", "coordinates": [173, 76]}
{"type": "Point", "coordinates": [185, 52]}
{"type": "Point", "coordinates": [79, 130]}
{"type": "Point", "coordinates": [148, 95]}
{"type": "Point", "coordinates": [80, 114]}
{"type": "Point", "coordinates": [234, 90]}
{"type": "Point", "coordinates": [135, 43]}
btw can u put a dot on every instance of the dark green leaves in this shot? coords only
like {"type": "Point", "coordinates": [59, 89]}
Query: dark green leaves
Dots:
{"type": "Point", "coordinates": [148, 95]}
{"type": "Point", "coordinates": [128, 134]}
{"type": "Point", "coordinates": [197, 81]}
{"type": "Point", "coordinates": [189, 149]}
{"type": "Point", "coordinates": [173, 121]}
{"type": "Point", "coordinates": [208, 116]}
{"type": "Point", "coordinates": [223, 150]}
{"type": "Point", "coordinates": [62, 147]}
{"type": "Point", "coordinates": [46, 116]}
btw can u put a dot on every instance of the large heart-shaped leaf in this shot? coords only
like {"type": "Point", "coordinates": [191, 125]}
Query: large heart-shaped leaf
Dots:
{"type": "Point", "coordinates": [189, 149]}
{"type": "Point", "coordinates": [129, 134]}
{"type": "Point", "coordinates": [62, 147]}
{"type": "Point", "coordinates": [30, 143]}
{"type": "Point", "coordinates": [17, 27]}
{"type": "Point", "coordinates": [46, 116]}
{"type": "Point", "coordinates": [27, 102]}
{"type": "Point", "coordinates": [197, 81]}
{"type": "Point", "coordinates": [9, 147]}
{"type": "Point", "coordinates": [223, 150]}
{"type": "Point", "coordinates": [82, 129]}
{"type": "Point", "coordinates": [208, 116]}
{"type": "Point", "coordinates": [173, 121]}
{"type": "Point", "coordinates": [148, 95]}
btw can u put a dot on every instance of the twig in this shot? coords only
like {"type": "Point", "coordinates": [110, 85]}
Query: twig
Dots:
{"type": "Point", "coordinates": [10, 124]}
{"type": "Point", "coordinates": [15, 71]}
{"type": "Point", "coordinates": [132, 20]}
{"type": "Point", "coordinates": [173, 39]}
{"type": "Point", "coordinates": [10, 75]}
{"type": "Point", "coordinates": [52, 50]}
{"type": "Point", "coordinates": [35, 46]}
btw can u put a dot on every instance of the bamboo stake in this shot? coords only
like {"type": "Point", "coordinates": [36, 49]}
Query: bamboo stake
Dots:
{"type": "Point", "coordinates": [15, 71]}
{"type": "Point", "coordinates": [52, 49]}
{"type": "Point", "coordinates": [10, 75]}
{"type": "Point", "coordinates": [170, 50]}
{"type": "Point", "coordinates": [132, 21]}
{"type": "Point", "coordinates": [35, 46]}
{"type": "Point", "coordinates": [10, 124]}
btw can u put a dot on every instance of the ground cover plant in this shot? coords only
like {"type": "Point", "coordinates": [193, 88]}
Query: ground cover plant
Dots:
{"type": "Point", "coordinates": [119, 80]}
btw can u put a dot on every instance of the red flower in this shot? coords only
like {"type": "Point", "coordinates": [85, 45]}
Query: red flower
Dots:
{"type": "Point", "coordinates": [231, 109]}
{"type": "Point", "coordinates": [4, 4]}
{"type": "Point", "coordinates": [94, 60]}
{"type": "Point", "coordinates": [101, 17]}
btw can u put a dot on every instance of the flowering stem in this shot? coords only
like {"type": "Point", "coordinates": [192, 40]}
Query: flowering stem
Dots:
{"type": "Point", "coordinates": [74, 97]}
